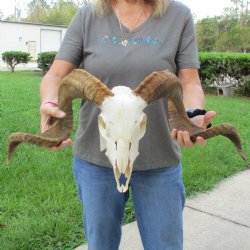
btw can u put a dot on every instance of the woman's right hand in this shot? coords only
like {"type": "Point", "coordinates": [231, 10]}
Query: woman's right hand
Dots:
{"type": "Point", "coordinates": [49, 111]}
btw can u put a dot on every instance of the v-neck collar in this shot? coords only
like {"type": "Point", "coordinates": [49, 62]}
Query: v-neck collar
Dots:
{"type": "Point", "coordinates": [125, 28]}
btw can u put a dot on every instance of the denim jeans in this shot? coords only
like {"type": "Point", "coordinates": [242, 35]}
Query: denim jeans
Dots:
{"type": "Point", "coordinates": [158, 198]}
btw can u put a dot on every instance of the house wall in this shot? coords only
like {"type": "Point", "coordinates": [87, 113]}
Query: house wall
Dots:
{"type": "Point", "coordinates": [28, 37]}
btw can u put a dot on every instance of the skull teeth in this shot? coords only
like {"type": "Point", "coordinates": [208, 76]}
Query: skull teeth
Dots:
{"type": "Point", "coordinates": [122, 188]}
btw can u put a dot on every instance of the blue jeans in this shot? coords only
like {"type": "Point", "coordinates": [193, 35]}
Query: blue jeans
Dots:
{"type": "Point", "coordinates": [158, 198]}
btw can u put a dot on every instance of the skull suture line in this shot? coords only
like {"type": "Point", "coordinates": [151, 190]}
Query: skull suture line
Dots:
{"type": "Point", "coordinates": [122, 123]}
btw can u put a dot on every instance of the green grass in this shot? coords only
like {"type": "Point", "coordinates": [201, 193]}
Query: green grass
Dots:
{"type": "Point", "coordinates": [38, 199]}
{"type": "Point", "coordinates": [38, 196]}
{"type": "Point", "coordinates": [205, 167]}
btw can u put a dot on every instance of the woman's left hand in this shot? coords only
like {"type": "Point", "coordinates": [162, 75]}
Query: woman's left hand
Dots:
{"type": "Point", "coordinates": [183, 138]}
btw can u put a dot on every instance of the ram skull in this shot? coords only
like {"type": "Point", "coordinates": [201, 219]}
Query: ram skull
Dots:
{"type": "Point", "coordinates": [122, 122]}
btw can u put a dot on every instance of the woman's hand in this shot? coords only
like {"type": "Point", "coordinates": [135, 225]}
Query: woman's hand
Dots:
{"type": "Point", "coordinates": [49, 111]}
{"type": "Point", "coordinates": [183, 138]}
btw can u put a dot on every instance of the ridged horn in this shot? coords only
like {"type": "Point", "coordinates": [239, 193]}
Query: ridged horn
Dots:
{"type": "Point", "coordinates": [77, 84]}
{"type": "Point", "coordinates": [165, 84]}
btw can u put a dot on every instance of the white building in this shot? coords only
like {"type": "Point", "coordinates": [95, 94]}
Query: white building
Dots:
{"type": "Point", "coordinates": [29, 37]}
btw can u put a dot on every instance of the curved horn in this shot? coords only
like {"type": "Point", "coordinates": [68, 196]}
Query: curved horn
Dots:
{"type": "Point", "coordinates": [165, 84]}
{"type": "Point", "coordinates": [77, 84]}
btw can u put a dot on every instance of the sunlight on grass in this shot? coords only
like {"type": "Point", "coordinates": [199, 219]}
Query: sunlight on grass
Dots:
{"type": "Point", "coordinates": [38, 196]}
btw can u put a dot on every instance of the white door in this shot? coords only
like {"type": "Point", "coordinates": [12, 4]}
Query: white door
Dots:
{"type": "Point", "coordinates": [50, 40]}
{"type": "Point", "coordinates": [32, 49]}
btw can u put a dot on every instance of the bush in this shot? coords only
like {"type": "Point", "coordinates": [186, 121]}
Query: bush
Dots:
{"type": "Point", "coordinates": [243, 88]}
{"type": "Point", "coordinates": [12, 58]}
{"type": "Point", "coordinates": [217, 66]}
{"type": "Point", "coordinates": [45, 59]}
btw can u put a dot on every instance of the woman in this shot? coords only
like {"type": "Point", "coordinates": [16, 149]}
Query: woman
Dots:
{"type": "Point", "coordinates": [121, 42]}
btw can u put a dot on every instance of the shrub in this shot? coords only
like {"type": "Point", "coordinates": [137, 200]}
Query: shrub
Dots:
{"type": "Point", "coordinates": [12, 58]}
{"type": "Point", "coordinates": [243, 88]}
{"type": "Point", "coordinates": [45, 59]}
{"type": "Point", "coordinates": [217, 66]}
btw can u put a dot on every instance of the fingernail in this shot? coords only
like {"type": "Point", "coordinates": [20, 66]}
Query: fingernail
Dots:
{"type": "Point", "coordinates": [61, 113]}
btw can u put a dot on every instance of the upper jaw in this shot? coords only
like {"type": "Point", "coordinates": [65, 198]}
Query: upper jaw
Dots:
{"type": "Point", "coordinates": [122, 157]}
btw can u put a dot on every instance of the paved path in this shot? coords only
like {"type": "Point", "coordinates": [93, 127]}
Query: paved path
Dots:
{"type": "Point", "coordinates": [218, 220]}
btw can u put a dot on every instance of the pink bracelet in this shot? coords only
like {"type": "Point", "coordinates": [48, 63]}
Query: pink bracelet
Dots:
{"type": "Point", "coordinates": [50, 102]}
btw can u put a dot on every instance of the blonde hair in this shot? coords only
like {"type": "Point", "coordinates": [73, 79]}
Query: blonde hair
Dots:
{"type": "Point", "coordinates": [102, 7]}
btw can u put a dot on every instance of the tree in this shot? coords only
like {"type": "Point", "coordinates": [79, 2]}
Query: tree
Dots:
{"type": "Point", "coordinates": [207, 33]}
{"type": "Point", "coordinates": [238, 17]}
{"type": "Point", "coordinates": [12, 58]}
{"type": "Point", "coordinates": [238, 11]}
{"type": "Point", "coordinates": [61, 12]}
{"type": "Point", "coordinates": [37, 11]}
{"type": "Point", "coordinates": [227, 33]}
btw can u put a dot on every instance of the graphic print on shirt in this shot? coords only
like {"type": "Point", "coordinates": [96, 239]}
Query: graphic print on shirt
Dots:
{"type": "Point", "coordinates": [117, 40]}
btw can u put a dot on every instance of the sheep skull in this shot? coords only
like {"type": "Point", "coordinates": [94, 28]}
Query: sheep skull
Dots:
{"type": "Point", "coordinates": [122, 123]}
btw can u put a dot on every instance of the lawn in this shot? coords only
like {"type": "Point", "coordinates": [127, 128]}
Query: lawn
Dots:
{"type": "Point", "coordinates": [38, 199]}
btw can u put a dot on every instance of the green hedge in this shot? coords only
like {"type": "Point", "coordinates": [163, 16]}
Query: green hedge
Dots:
{"type": "Point", "coordinates": [215, 66]}
{"type": "Point", "coordinates": [45, 59]}
{"type": "Point", "coordinates": [244, 88]}
{"type": "Point", "coordinates": [12, 58]}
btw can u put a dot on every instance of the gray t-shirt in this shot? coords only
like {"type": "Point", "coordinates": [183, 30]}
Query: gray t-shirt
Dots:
{"type": "Point", "coordinates": [160, 43]}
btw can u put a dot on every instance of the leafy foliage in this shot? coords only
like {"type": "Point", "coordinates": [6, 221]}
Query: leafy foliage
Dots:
{"type": "Point", "coordinates": [244, 88]}
{"type": "Point", "coordinates": [206, 35]}
{"type": "Point", "coordinates": [59, 12]}
{"type": "Point", "coordinates": [37, 11]}
{"type": "Point", "coordinates": [216, 66]}
{"type": "Point", "coordinates": [12, 58]}
{"type": "Point", "coordinates": [45, 59]}
{"type": "Point", "coordinates": [226, 33]}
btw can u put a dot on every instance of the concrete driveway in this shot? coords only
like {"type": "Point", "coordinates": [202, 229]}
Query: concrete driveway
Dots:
{"type": "Point", "coordinates": [217, 220]}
